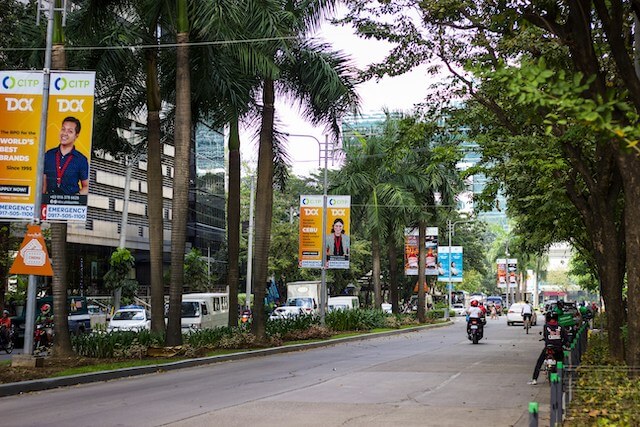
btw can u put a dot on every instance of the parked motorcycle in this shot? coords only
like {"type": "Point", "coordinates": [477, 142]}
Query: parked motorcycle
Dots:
{"type": "Point", "coordinates": [43, 339]}
{"type": "Point", "coordinates": [551, 359]}
{"type": "Point", "coordinates": [7, 344]}
{"type": "Point", "coordinates": [475, 330]}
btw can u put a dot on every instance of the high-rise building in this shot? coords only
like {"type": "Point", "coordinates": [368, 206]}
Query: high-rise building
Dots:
{"type": "Point", "coordinates": [92, 242]}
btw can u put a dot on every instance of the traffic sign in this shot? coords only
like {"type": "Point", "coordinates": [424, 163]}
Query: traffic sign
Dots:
{"type": "Point", "coordinates": [32, 257]}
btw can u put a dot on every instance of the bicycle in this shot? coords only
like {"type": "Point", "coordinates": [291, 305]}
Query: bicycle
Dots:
{"type": "Point", "coordinates": [527, 323]}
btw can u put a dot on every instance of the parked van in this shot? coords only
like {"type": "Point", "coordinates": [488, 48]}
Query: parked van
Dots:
{"type": "Point", "coordinates": [343, 303]}
{"type": "Point", "coordinates": [204, 311]}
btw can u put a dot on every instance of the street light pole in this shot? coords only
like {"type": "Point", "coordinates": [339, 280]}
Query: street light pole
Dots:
{"type": "Point", "coordinates": [323, 269]}
{"type": "Point", "coordinates": [451, 228]}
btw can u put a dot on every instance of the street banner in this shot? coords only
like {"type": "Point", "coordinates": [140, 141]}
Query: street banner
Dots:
{"type": "Point", "coordinates": [32, 257]}
{"type": "Point", "coordinates": [20, 115]}
{"type": "Point", "coordinates": [431, 243]}
{"type": "Point", "coordinates": [512, 265]}
{"type": "Point", "coordinates": [450, 262]}
{"type": "Point", "coordinates": [502, 272]}
{"type": "Point", "coordinates": [68, 146]}
{"type": "Point", "coordinates": [338, 239]}
{"type": "Point", "coordinates": [310, 233]}
{"type": "Point", "coordinates": [411, 251]}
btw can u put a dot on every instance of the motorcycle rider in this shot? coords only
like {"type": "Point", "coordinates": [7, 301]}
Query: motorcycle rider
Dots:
{"type": "Point", "coordinates": [474, 312]}
{"type": "Point", "coordinates": [45, 320]}
{"type": "Point", "coordinates": [554, 335]}
{"type": "Point", "coordinates": [5, 321]}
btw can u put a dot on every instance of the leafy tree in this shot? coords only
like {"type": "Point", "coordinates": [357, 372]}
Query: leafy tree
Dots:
{"type": "Point", "coordinates": [119, 275]}
{"type": "Point", "coordinates": [196, 275]}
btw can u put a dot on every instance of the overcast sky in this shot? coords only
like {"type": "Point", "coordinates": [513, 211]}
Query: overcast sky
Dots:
{"type": "Point", "coordinates": [397, 93]}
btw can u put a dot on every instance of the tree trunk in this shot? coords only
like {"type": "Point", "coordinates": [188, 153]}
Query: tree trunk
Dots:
{"type": "Point", "coordinates": [59, 259]}
{"type": "Point", "coordinates": [422, 228]}
{"type": "Point", "coordinates": [375, 270]}
{"type": "Point", "coordinates": [264, 209]}
{"type": "Point", "coordinates": [154, 194]}
{"type": "Point", "coordinates": [180, 204]}
{"type": "Point", "coordinates": [630, 171]}
{"type": "Point", "coordinates": [393, 273]}
{"type": "Point", "coordinates": [233, 221]}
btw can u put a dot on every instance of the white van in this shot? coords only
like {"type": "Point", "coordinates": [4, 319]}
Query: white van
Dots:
{"type": "Point", "coordinates": [204, 311]}
{"type": "Point", "coordinates": [343, 303]}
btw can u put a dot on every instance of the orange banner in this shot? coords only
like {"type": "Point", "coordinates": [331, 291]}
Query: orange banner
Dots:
{"type": "Point", "coordinates": [68, 146]}
{"type": "Point", "coordinates": [32, 257]}
{"type": "Point", "coordinates": [20, 117]}
{"type": "Point", "coordinates": [310, 237]}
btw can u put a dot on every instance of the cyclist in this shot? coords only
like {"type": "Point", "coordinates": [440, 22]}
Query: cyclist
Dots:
{"type": "Point", "coordinates": [554, 335]}
{"type": "Point", "coordinates": [527, 312]}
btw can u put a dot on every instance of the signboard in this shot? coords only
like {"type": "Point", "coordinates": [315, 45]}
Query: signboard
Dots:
{"type": "Point", "coordinates": [507, 272]}
{"type": "Point", "coordinates": [310, 235]}
{"type": "Point", "coordinates": [411, 251]}
{"type": "Point", "coordinates": [20, 116]}
{"type": "Point", "coordinates": [431, 244]}
{"type": "Point", "coordinates": [337, 237]}
{"type": "Point", "coordinates": [68, 146]}
{"type": "Point", "coordinates": [512, 269]}
{"type": "Point", "coordinates": [450, 262]}
{"type": "Point", "coordinates": [32, 257]}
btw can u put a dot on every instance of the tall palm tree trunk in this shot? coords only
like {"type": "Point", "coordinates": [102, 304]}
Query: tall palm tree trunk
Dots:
{"type": "Point", "coordinates": [375, 270]}
{"type": "Point", "coordinates": [180, 188]}
{"type": "Point", "coordinates": [233, 220]}
{"type": "Point", "coordinates": [60, 261]}
{"type": "Point", "coordinates": [264, 209]}
{"type": "Point", "coordinates": [393, 272]}
{"type": "Point", "coordinates": [421, 271]}
{"type": "Point", "coordinates": [154, 184]}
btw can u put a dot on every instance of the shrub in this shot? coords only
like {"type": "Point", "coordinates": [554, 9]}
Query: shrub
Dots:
{"type": "Point", "coordinates": [282, 327]}
{"type": "Point", "coordinates": [208, 338]}
{"type": "Point", "coordinates": [115, 344]}
{"type": "Point", "coordinates": [355, 320]}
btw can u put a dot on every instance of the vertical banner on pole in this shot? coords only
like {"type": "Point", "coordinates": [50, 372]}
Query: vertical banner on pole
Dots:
{"type": "Point", "coordinates": [512, 265]}
{"type": "Point", "coordinates": [450, 259]}
{"type": "Point", "coordinates": [410, 251]}
{"type": "Point", "coordinates": [20, 113]}
{"type": "Point", "coordinates": [502, 273]}
{"type": "Point", "coordinates": [310, 233]}
{"type": "Point", "coordinates": [431, 244]}
{"type": "Point", "coordinates": [338, 242]}
{"type": "Point", "coordinates": [68, 145]}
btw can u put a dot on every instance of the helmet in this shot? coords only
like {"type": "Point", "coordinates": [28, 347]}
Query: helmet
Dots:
{"type": "Point", "coordinates": [551, 315]}
{"type": "Point", "coordinates": [45, 307]}
{"type": "Point", "coordinates": [474, 303]}
{"type": "Point", "coordinates": [5, 312]}
{"type": "Point", "coordinates": [561, 303]}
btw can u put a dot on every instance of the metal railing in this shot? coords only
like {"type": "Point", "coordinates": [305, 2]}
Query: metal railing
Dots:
{"type": "Point", "coordinates": [563, 381]}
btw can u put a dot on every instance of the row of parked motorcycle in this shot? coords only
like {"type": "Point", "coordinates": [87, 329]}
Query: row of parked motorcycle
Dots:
{"type": "Point", "coordinates": [42, 339]}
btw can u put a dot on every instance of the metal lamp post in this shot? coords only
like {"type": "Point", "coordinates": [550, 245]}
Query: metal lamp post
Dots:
{"type": "Point", "coordinates": [323, 268]}
{"type": "Point", "coordinates": [451, 226]}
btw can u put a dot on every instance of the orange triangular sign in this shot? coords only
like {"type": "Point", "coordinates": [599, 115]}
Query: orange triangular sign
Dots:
{"type": "Point", "coordinates": [32, 257]}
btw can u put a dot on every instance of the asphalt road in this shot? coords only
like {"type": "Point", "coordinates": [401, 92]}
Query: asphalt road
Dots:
{"type": "Point", "coordinates": [433, 377]}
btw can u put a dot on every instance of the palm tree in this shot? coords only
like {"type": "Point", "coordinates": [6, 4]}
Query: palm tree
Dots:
{"type": "Point", "coordinates": [62, 343]}
{"type": "Point", "coordinates": [324, 84]}
{"type": "Point", "coordinates": [182, 141]}
{"type": "Point", "coordinates": [129, 84]}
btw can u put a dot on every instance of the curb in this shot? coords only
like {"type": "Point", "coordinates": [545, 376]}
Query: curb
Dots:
{"type": "Point", "coordinates": [11, 389]}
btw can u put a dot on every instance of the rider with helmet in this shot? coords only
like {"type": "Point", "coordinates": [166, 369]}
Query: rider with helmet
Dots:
{"type": "Point", "coordinates": [5, 325]}
{"type": "Point", "coordinates": [474, 312]}
{"type": "Point", "coordinates": [554, 335]}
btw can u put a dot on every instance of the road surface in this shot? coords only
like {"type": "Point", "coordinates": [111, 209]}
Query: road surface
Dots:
{"type": "Point", "coordinates": [433, 377]}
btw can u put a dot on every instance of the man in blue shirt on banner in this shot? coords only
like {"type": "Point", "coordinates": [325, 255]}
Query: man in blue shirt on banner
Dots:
{"type": "Point", "coordinates": [66, 170]}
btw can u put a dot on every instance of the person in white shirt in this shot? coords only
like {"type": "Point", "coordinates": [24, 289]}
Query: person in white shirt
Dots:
{"type": "Point", "coordinates": [526, 312]}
